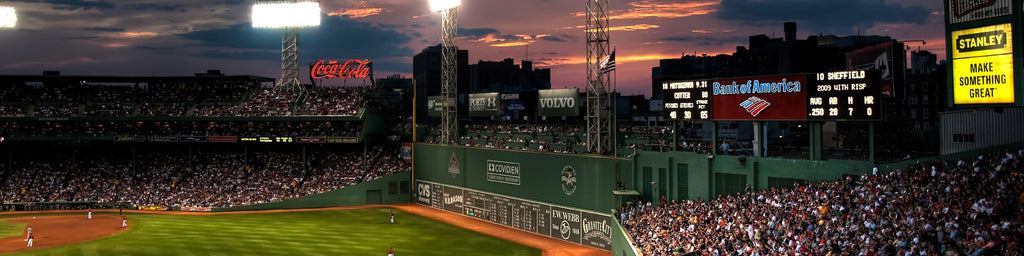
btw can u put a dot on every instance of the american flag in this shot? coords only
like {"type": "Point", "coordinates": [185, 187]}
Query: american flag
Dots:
{"type": "Point", "coordinates": [607, 64]}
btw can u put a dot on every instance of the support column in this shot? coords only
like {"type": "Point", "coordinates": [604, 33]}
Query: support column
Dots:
{"type": "Point", "coordinates": [758, 139]}
{"type": "Point", "coordinates": [871, 142]}
{"type": "Point", "coordinates": [814, 149]}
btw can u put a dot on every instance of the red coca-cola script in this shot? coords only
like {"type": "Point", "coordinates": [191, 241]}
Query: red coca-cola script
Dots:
{"type": "Point", "coordinates": [352, 68]}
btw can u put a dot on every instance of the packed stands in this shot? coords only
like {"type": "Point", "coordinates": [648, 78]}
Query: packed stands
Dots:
{"type": "Point", "coordinates": [967, 207]}
{"type": "Point", "coordinates": [212, 177]}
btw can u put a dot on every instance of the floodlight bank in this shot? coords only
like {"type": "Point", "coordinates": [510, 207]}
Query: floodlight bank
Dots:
{"type": "Point", "coordinates": [8, 19]}
{"type": "Point", "coordinates": [439, 5]}
{"type": "Point", "coordinates": [278, 15]}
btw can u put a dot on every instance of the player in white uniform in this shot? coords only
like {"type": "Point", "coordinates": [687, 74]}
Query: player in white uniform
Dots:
{"type": "Point", "coordinates": [90, 213]}
{"type": "Point", "coordinates": [124, 222]}
{"type": "Point", "coordinates": [30, 238]}
{"type": "Point", "coordinates": [392, 216]}
{"type": "Point", "coordinates": [391, 251]}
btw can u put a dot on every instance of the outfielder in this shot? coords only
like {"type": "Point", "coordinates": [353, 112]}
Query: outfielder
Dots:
{"type": "Point", "coordinates": [392, 216]}
{"type": "Point", "coordinates": [124, 222]}
{"type": "Point", "coordinates": [391, 251]}
{"type": "Point", "coordinates": [30, 238]}
{"type": "Point", "coordinates": [90, 213]}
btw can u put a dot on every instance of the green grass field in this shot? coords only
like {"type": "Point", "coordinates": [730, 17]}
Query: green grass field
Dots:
{"type": "Point", "coordinates": [337, 232]}
{"type": "Point", "coordinates": [9, 229]}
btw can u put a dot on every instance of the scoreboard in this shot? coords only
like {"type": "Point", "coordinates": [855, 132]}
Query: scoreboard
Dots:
{"type": "Point", "coordinates": [825, 96]}
{"type": "Point", "coordinates": [566, 224]}
{"type": "Point", "coordinates": [687, 100]}
{"type": "Point", "coordinates": [844, 95]}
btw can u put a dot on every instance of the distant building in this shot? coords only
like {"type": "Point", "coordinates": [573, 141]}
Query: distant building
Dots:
{"type": "Point", "coordinates": [398, 91]}
{"type": "Point", "coordinates": [506, 76]}
{"type": "Point", "coordinates": [426, 71]}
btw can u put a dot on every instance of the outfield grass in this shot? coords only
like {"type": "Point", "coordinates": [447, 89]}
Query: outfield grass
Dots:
{"type": "Point", "coordinates": [344, 232]}
{"type": "Point", "coordinates": [9, 229]}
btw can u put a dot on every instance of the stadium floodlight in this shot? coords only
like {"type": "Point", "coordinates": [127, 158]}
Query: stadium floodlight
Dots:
{"type": "Point", "coordinates": [289, 15]}
{"type": "Point", "coordinates": [8, 18]}
{"type": "Point", "coordinates": [449, 62]}
{"type": "Point", "coordinates": [285, 14]}
{"type": "Point", "coordinates": [440, 5]}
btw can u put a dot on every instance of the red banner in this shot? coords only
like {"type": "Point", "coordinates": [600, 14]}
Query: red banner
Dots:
{"type": "Point", "coordinates": [223, 138]}
{"type": "Point", "coordinates": [760, 98]}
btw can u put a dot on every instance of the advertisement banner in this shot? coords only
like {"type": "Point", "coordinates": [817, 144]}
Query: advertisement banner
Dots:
{"type": "Point", "coordinates": [223, 138]}
{"type": "Point", "coordinates": [129, 138]}
{"type": "Point", "coordinates": [424, 191]}
{"type": "Point", "coordinates": [503, 172]}
{"type": "Point", "coordinates": [969, 10]}
{"type": "Point", "coordinates": [406, 152]}
{"type": "Point", "coordinates": [484, 104]}
{"type": "Point", "coordinates": [342, 140]}
{"type": "Point", "coordinates": [435, 106]}
{"type": "Point", "coordinates": [759, 98]}
{"type": "Point", "coordinates": [160, 138]}
{"type": "Point", "coordinates": [311, 139]}
{"type": "Point", "coordinates": [565, 224]}
{"type": "Point", "coordinates": [453, 199]}
{"type": "Point", "coordinates": [193, 138]}
{"type": "Point", "coordinates": [876, 57]}
{"type": "Point", "coordinates": [597, 230]}
{"type": "Point", "coordinates": [558, 102]}
{"type": "Point", "coordinates": [983, 65]}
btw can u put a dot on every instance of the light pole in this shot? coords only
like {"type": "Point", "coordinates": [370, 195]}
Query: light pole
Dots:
{"type": "Point", "coordinates": [290, 16]}
{"type": "Point", "coordinates": [449, 66]}
{"type": "Point", "coordinates": [8, 17]}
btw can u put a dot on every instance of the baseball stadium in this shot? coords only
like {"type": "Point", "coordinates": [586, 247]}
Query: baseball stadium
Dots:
{"type": "Point", "coordinates": [823, 146]}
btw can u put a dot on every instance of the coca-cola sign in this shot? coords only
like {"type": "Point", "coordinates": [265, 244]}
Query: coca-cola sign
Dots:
{"type": "Point", "coordinates": [352, 68]}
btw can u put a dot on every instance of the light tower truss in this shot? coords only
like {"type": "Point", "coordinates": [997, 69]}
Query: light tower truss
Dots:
{"type": "Point", "coordinates": [449, 75]}
{"type": "Point", "coordinates": [599, 115]}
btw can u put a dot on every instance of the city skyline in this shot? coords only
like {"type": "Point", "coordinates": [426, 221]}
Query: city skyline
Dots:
{"type": "Point", "coordinates": [144, 37]}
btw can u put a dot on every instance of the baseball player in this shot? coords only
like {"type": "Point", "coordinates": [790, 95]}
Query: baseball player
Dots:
{"type": "Point", "coordinates": [30, 238]}
{"type": "Point", "coordinates": [29, 231]}
{"type": "Point", "coordinates": [392, 216]}
{"type": "Point", "coordinates": [391, 251]}
{"type": "Point", "coordinates": [90, 213]}
{"type": "Point", "coordinates": [124, 222]}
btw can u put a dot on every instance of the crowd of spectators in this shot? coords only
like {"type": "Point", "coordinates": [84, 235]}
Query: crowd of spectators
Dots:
{"type": "Point", "coordinates": [175, 100]}
{"type": "Point", "coordinates": [967, 207]}
{"type": "Point", "coordinates": [179, 128]}
{"type": "Point", "coordinates": [211, 178]}
{"type": "Point", "coordinates": [333, 101]}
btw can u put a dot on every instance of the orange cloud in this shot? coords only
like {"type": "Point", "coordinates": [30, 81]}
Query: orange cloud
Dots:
{"type": "Point", "coordinates": [490, 38]}
{"type": "Point", "coordinates": [512, 44]}
{"type": "Point", "coordinates": [356, 12]}
{"type": "Point", "coordinates": [710, 31]}
{"type": "Point", "coordinates": [621, 28]}
{"type": "Point", "coordinates": [548, 62]}
{"type": "Point", "coordinates": [656, 9]}
{"type": "Point", "coordinates": [135, 34]}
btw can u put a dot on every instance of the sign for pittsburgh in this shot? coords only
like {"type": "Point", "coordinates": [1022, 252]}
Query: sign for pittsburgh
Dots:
{"type": "Point", "coordinates": [983, 65]}
{"type": "Point", "coordinates": [503, 172]}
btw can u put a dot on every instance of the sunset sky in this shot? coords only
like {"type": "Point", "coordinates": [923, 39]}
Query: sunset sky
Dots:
{"type": "Point", "coordinates": [182, 37]}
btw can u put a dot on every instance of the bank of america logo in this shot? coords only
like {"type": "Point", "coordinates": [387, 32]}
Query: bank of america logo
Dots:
{"type": "Point", "coordinates": [755, 105]}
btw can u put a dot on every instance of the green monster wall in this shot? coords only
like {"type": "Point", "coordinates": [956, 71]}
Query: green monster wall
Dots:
{"type": "Point", "coordinates": [582, 182]}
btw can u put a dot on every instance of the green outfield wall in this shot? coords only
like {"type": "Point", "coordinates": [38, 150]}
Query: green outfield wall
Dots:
{"type": "Point", "coordinates": [582, 182]}
{"type": "Point", "coordinates": [688, 175]}
{"type": "Point", "coordinates": [387, 190]}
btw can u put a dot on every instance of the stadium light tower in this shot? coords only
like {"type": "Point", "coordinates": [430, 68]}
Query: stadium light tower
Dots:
{"type": "Point", "coordinates": [290, 16]}
{"type": "Point", "coordinates": [8, 18]}
{"type": "Point", "coordinates": [449, 61]}
{"type": "Point", "coordinates": [599, 123]}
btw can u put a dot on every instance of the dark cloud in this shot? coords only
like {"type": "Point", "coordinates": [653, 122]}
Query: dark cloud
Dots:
{"type": "Point", "coordinates": [156, 7]}
{"type": "Point", "coordinates": [71, 5]}
{"type": "Point", "coordinates": [552, 39]}
{"type": "Point", "coordinates": [335, 37]}
{"type": "Point", "coordinates": [100, 29]}
{"type": "Point", "coordinates": [569, 36]}
{"type": "Point", "coordinates": [843, 15]}
{"type": "Point", "coordinates": [241, 55]}
{"type": "Point", "coordinates": [475, 33]}
{"type": "Point", "coordinates": [706, 41]}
